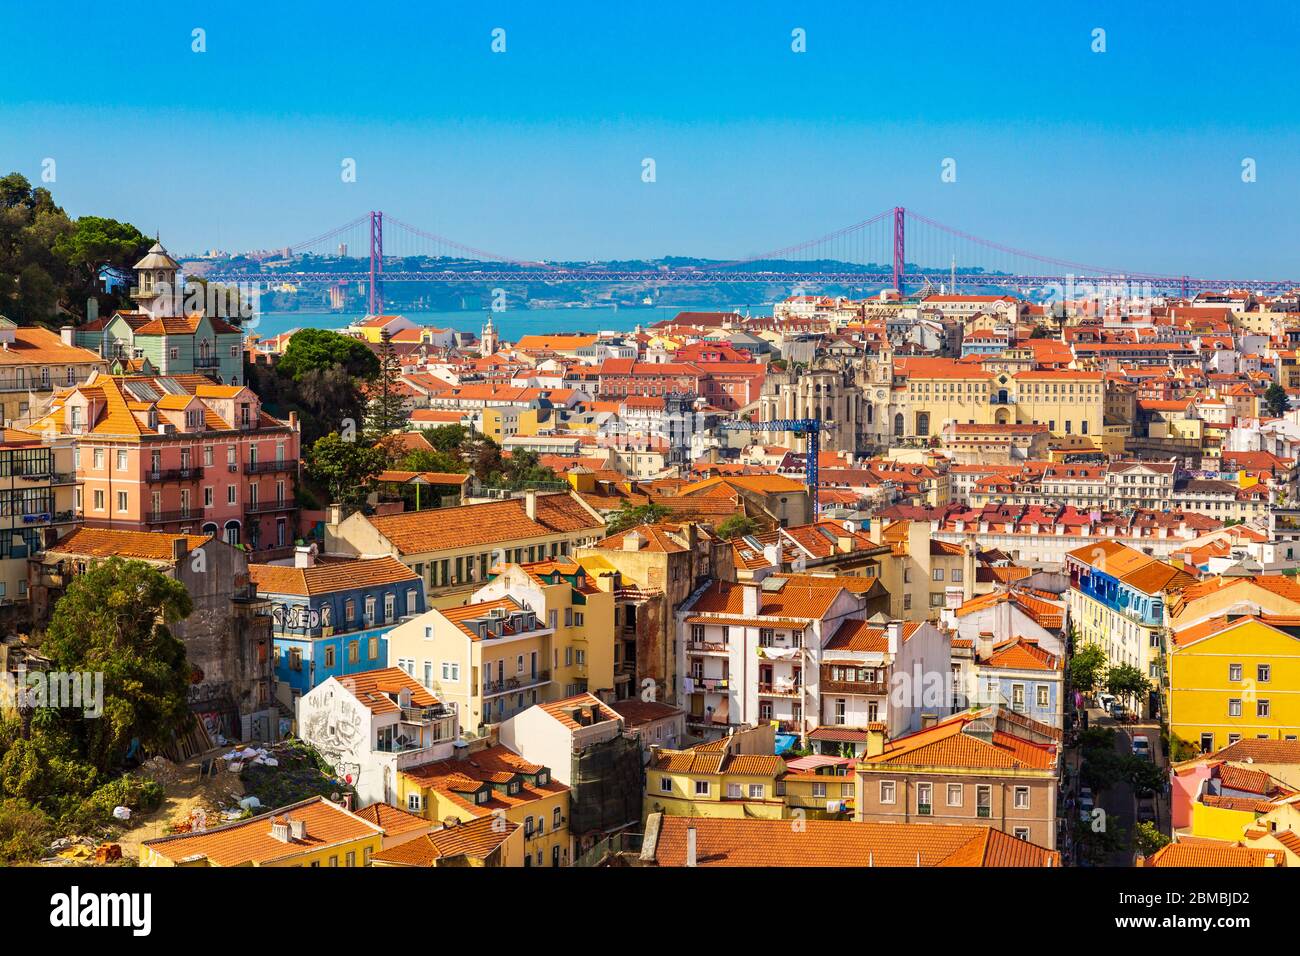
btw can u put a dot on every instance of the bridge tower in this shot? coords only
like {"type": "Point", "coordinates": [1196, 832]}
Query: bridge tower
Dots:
{"type": "Point", "coordinates": [376, 303]}
{"type": "Point", "coordinates": [900, 255]}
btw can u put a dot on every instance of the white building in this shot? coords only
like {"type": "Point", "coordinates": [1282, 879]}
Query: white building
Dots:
{"type": "Point", "coordinates": [371, 725]}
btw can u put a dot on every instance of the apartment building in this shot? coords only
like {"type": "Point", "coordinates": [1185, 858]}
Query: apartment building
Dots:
{"type": "Point", "coordinates": [332, 618]}
{"type": "Point", "coordinates": [454, 549]}
{"type": "Point", "coordinates": [158, 453]}
{"type": "Point", "coordinates": [495, 781]}
{"type": "Point", "coordinates": [37, 503]}
{"type": "Point", "coordinates": [1117, 601]}
{"type": "Point", "coordinates": [798, 652]}
{"type": "Point", "coordinates": [985, 767]}
{"type": "Point", "coordinates": [34, 362]}
{"type": "Point", "coordinates": [371, 725]}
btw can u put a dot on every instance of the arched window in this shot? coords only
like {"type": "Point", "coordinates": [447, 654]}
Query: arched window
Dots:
{"type": "Point", "coordinates": [898, 425]}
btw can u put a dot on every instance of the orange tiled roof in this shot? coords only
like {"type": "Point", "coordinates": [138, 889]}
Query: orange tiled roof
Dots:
{"type": "Point", "coordinates": [455, 779]}
{"type": "Point", "coordinates": [950, 744]}
{"type": "Point", "coordinates": [475, 839]}
{"type": "Point", "coordinates": [749, 842]}
{"type": "Point", "coordinates": [376, 689]}
{"type": "Point", "coordinates": [142, 545]}
{"type": "Point", "coordinates": [250, 842]}
{"type": "Point", "coordinates": [394, 820]}
{"type": "Point", "coordinates": [444, 529]}
{"type": "Point", "coordinates": [1214, 854]}
{"type": "Point", "coordinates": [330, 576]}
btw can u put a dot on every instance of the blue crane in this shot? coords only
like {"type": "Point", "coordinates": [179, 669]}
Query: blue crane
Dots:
{"type": "Point", "coordinates": [812, 427]}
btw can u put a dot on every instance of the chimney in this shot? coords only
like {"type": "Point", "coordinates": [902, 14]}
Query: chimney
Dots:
{"type": "Point", "coordinates": [180, 547]}
{"type": "Point", "coordinates": [65, 335]}
{"type": "Point", "coordinates": [298, 829]}
{"type": "Point", "coordinates": [530, 504]}
{"type": "Point", "coordinates": [894, 635]}
{"type": "Point", "coordinates": [690, 846]}
{"type": "Point", "coordinates": [280, 831]}
{"type": "Point", "coordinates": [929, 720]}
{"type": "Point", "coordinates": [335, 514]}
{"type": "Point", "coordinates": [304, 556]}
{"type": "Point", "coordinates": [875, 739]}
{"type": "Point", "coordinates": [749, 599]}
{"type": "Point", "coordinates": [293, 421]}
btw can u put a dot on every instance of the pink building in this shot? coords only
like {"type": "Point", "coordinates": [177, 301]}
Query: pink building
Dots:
{"type": "Point", "coordinates": [178, 454]}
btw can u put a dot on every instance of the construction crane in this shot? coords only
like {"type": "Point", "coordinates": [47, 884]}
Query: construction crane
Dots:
{"type": "Point", "coordinates": [812, 427]}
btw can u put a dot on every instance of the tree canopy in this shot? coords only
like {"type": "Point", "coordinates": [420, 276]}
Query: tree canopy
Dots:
{"type": "Point", "coordinates": [321, 350]}
{"type": "Point", "coordinates": [345, 469]}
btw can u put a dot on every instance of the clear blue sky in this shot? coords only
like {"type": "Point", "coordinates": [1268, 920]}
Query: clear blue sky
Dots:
{"type": "Point", "coordinates": [1129, 158]}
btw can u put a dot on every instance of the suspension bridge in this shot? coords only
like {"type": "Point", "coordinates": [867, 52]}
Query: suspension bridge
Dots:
{"type": "Point", "coordinates": [895, 249]}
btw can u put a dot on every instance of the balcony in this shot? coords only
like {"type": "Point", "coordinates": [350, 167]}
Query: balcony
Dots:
{"type": "Point", "coordinates": [705, 647]}
{"type": "Point", "coordinates": [510, 684]}
{"type": "Point", "coordinates": [266, 507]}
{"type": "Point", "coordinates": [779, 689]}
{"type": "Point", "coordinates": [867, 688]}
{"type": "Point", "coordinates": [270, 467]}
{"type": "Point", "coordinates": [173, 474]}
{"type": "Point", "coordinates": [207, 361]}
{"type": "Point", "coordinates": [167, 517]}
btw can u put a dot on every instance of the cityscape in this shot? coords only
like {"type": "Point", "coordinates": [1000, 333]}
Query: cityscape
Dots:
{"type": "Point", "coordinates": [823, 526]}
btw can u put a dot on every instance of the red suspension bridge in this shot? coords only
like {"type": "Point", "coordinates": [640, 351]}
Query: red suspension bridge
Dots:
{"type": "Point", "coordinates": [895, 249]}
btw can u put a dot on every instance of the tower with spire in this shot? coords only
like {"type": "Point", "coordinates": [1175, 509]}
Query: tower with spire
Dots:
{"type": "Point", "coordinates": [155, 289]}
{"type": "Point", "coordinates": [489, 341]}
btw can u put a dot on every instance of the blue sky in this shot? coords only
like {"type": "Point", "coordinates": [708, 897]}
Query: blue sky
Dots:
{"type": "Point", "coordinates": [1129, 158]}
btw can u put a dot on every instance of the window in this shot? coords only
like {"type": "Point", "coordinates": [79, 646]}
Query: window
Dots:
{"type": "Point", "coordinates": [1042, 695]}
{"type": "Point", "coordinates": [955, 576]}
{"type": "Point", "coordinates": [99, 500]}
{"type": "Point", "coordinates": [983, 800]}
{"type": "Point", "coordinates": [1234, 672]}
{"type": "Point", "coordinates": [329, 657]}
{"type": "Point", "coordinates": [1021, 833]}
{"type": "Point", "coordinates": [354, 652]}
{"type": "Point", "coordinates": [756, 791]}
{"type": "Point", "coordinates": [924, 798]}
{"type": "Point", "coordinates": [351, 858]}
{"type": "Point", "coordinates": [701, 788]}
{"type": "Point", "coordinates": [1234, 707]}
{"type": "Point", "coordinates": [556, 819]}
{"type": "Point", "coordinates": [888, 791]}
{"type": "Point", "coordinates": [955, 794]}
{"type": "Point", "coordinates": [1262, 709]}
{"type": "Point", "coordinates": [733, 791]}
{"type": "Point", "coordinates": [1207, 743]}
{"type": "Point", "coordinates": [665, 785]}
{"type": "Point", "coordinates": [1020, 800]}
{"type": "Point", "coordinates": [231, 495]}
{"type": "Point", "coordinates": [1263, 673]}
{"type": "Point", "coordinates": [413, 802]}
{"type": "Point", "coordinates": [121, 502]}
{"type": "Point", "coordinates": [938, 574]}
{"type": "Point", "coordinates": [121, 459]}
{"type": "Point", "coordinates": [819, 790]}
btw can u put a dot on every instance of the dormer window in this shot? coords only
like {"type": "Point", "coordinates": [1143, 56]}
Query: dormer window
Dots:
{"type": "Point", "coordinates": [543, 778]}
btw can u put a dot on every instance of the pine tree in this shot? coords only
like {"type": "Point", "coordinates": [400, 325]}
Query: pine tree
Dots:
{"type": "Point", "coordinates": [385, 412]}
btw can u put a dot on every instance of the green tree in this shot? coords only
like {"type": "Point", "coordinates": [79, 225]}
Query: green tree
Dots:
{"type": "Point", "coordinates": [1276, 402]}
{"type": "Point", "coordinates": [384, 412]}
{"type": "Point", "coordinates": [95, 242]}
{"type": "Point", "coordinates": [1087, 668]}
{"type": "Point", "coordinates": [1147, 838]}
{"type": "Point", "coordinates": [1102, 769]}
{"type": "Point", "coordinates": [447, 439]}
{"type": "Point", "coordinates": [626, 518]}
{"type": "Point", "coordinates": [422, 460]}
{"type": "Point", "coordinates": [345, 469]}
{"type": "Point", "coordinates": [1127, 682]}
{"type": "Point", "coordinates": [1144, 775]}
{"type": "Point", "coordinates": [737, 526]}
{"type": "Point", "coordinates": [321, 349]}
{"type": "Point", "coordinates": [115, 619]}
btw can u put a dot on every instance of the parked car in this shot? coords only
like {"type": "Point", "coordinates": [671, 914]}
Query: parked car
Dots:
{"type": "Point", "coordinates": [1142, 746]}
{"type": "Point", "coordinates": [1118, 711]}
{"type": "Point", "coordinates": [1146, 809]}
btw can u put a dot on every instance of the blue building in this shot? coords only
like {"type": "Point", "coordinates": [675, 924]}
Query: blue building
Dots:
{"type": "Point", "coordinates": [332, 618]}
{"type": "Point", "coordinates": [1021, 676]}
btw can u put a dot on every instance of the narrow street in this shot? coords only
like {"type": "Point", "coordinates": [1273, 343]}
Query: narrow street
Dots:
{"type": "Point", "coordinates": [1119, 800]}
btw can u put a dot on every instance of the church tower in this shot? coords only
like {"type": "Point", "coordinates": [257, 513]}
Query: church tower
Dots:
{"type": "Point", "coordinates": [488, 342]}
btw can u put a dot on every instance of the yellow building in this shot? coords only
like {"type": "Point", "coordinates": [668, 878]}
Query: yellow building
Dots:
{"type": "Point", "coordinates": [1233, 678]}
{"type": "Point", "coordinates": [495, 782]}
{"type": "Point", "coordinates": [315, 832]}
{"type": "Point", "coordinates": [715, 779]}
{"type": "Point", "coordinates": [534, 634]}
{"type": "Point", "coordinates": [487, 841]}
{"type": "Point", "coordinates": [938, 392]}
